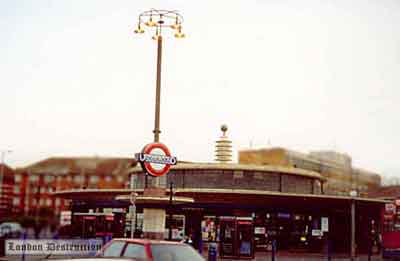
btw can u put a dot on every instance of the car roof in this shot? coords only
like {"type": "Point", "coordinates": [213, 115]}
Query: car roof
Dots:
{"type": "Point", "coordinates": [148, 241]}
{"type": "Point", "coordinates": [97, 259]}
{"type": "Point", "coordinates": [10, 225]}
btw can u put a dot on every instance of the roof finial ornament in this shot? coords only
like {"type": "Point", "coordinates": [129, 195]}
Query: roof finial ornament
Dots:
{"type": "Point", "coordinates": [224, 129]}
{"type": "Point", "coordinates": [223, 147]}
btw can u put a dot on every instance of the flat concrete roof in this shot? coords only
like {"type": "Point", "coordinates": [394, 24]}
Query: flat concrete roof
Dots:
{"type": "Point", "coordinates": [274, 193]}
{"type": "Point", "coordinates": [79, 193]}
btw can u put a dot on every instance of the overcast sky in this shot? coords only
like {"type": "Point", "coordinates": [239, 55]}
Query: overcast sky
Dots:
{"type": "Point", "coordinates": [306, 75]}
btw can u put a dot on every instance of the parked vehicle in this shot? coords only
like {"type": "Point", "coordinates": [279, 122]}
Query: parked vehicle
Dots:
{"type": "Point", "coordinates": [7, 228]}
{"type": "Point", "coordinates": [145, 250]}
{"type": "Point", "coordinates": [391, 230]}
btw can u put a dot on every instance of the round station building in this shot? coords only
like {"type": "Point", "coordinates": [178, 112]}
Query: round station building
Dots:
{"type": "Point", "coordinates": [243, 207]}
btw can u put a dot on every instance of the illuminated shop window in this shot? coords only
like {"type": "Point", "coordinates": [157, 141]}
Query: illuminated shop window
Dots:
{"type": "Point", "coordinates": [209, 228]}
{"type": "Point", "coordinates": [177, 227]}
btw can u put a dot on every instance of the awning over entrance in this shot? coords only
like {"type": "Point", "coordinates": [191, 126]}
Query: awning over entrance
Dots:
{"type": "Point", "coordinates": [277, 199]}
{"type": "Point", "coordinates": [231, 196]}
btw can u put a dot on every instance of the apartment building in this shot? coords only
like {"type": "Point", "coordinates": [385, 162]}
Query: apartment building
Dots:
{"type": "Point", "coordinates": [6, 190]}
{"type": "Point", "coordinates": [341, 176]}
{"type": "Point", "coordinates": [34, 185]}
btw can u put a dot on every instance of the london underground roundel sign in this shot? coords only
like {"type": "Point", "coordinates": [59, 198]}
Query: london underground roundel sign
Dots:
{"type": "Point", "coordinates": [156, 159]}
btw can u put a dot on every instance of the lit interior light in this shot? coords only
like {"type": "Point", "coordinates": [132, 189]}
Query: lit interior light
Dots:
{"type": "Point", "coordinates": [179, 34]}
{"type": "Point", "coordinates": [151, 23]}
{"type": "Point", "coordinates": [177, 25]}
{"type": "Point", "coordinates": [139, 30]}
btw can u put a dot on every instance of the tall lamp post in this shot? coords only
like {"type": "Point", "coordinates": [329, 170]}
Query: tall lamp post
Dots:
{"type": "Point", "coordinates": [159, 21]}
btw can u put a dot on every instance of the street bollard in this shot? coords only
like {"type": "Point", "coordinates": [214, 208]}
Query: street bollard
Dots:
{"type": "Point", "coordinates": [200, 246]}
{"type": "Point", "coordinates": [212, 252]}
{"type": "Point", "coordinates": [329, 250]}
{"type": "Point", "coordinates": [107, 238]}
{"type": "Point", "coordinates": [273, 251]}
{"type": "Point", "coordinates": [24, 236]}
{"type": "Point", "coordinates": [370, 250]}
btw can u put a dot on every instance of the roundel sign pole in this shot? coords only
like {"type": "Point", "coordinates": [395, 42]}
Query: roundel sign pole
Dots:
{"type": "Point", "coordinates": [156, 159]}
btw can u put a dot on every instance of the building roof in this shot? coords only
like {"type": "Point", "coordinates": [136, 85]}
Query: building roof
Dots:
{"type": "Point", "coordinates": [7, 171]}
{"type": "Point", "coordinates": [275, 193]}
{"type": "Point", "coordinates": [387, 192]}
{"type": "Point", "coordinates": [243, 167]}
{"type": "Point", "coordinates": [112, 193]}
{"type": "Point", "coordinates": [330, 159]}
{"type": "Point", "coordinates": [79, 165]}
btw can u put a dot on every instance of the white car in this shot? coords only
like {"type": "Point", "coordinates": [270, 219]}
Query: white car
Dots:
{"type": "Point", "coordinates": [144, 250]}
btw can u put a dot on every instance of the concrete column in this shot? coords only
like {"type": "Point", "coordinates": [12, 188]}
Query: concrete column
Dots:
{"type": "Point", "coordinates": [154, 223]}
{"type": "Point", "coordinates": [154, 218]}
{"type": "Point", "coordinates": [353, 230]}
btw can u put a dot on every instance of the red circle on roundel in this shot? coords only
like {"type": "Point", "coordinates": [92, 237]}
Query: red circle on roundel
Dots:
{"type": "Point", "coordinates": [147, 150]}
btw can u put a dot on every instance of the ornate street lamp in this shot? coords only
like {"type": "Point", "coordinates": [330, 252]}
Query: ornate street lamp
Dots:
{"type": "Point", "coordinates": [158, 21]}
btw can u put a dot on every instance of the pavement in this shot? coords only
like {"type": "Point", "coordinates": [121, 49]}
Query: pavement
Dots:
{"type": "Point", "coordinates": [287, 256]}
{"type": "Point", "coordinates": [261, 256]}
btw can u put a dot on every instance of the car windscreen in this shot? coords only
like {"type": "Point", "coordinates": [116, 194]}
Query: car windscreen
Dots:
{"type": "Point", "coordinates": [165, 252]}
{"type": "Point", "coordinates": [134, 251]}
{"type": "Point", "coordinates": [114, 249]}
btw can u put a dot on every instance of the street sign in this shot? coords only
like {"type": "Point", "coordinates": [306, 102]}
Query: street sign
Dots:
{"type": "Point", "coordinates": [65, 218]}
{"type": "Point", "coordinates": [316, 233]}
{"type": "Point", "coordinates": [156, 159]}
{"type": "Point", "coordinates": [390, 208]}
{"type": "Point", "coordinates": [259, 230]}
{"type": "Point", "coordinates": [324, 224]}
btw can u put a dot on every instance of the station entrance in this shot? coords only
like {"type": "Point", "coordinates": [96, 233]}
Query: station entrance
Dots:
{"type": "Point", "coordinates": [295, 222]}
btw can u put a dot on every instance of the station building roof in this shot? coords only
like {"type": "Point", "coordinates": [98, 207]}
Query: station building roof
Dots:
{"type": "Point", "coordinates": [95, 194]}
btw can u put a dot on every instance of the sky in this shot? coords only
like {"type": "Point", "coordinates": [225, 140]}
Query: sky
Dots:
{"type": "Point", "coordinates": [306, 75]}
